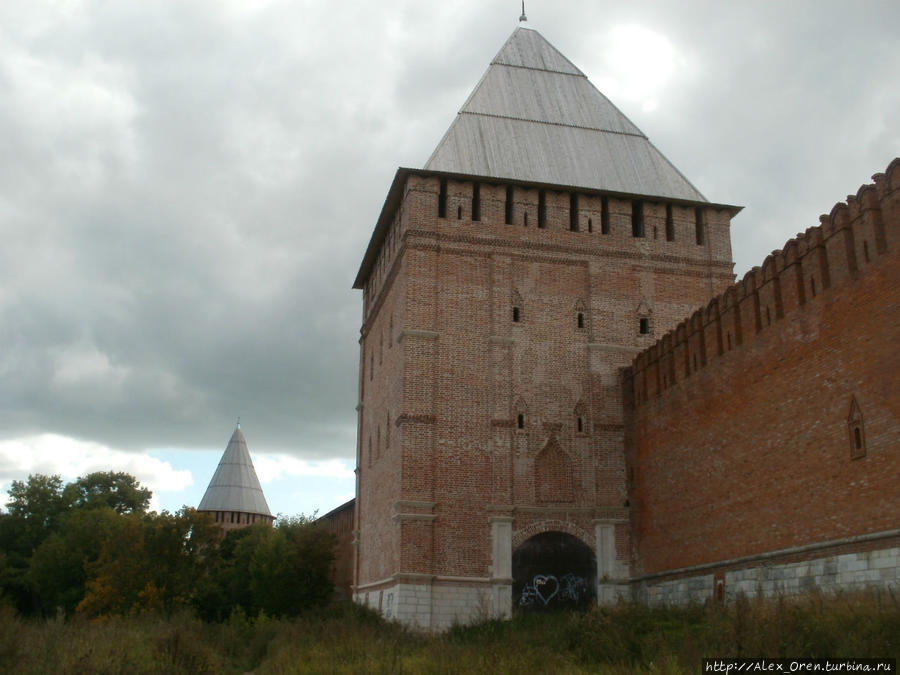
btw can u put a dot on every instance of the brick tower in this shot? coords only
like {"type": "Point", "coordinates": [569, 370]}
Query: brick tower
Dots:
{"type": "Point", "coordinates": [507, 283]}
{"type": "Point", "coordinates": [234, 497]}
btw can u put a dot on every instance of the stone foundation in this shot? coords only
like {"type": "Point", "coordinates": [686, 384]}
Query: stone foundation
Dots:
{"type": "Point", "coordinates": [846, 572]}
{"type": "Point", "coordinates": [440, 604]}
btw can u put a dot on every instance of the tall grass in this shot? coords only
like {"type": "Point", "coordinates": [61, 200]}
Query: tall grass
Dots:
{"type": "Point", "coordinates": [345, 638]}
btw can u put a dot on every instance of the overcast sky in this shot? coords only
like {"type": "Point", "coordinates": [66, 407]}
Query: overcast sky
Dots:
{"type": "Point", "coordinates": [187, 188]}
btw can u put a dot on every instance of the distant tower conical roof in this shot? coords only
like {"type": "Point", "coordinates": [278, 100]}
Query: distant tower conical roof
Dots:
{"type": "Point", "coordinates": [234, 486]}
{"type": "Point", "coordinates": [535, 117]}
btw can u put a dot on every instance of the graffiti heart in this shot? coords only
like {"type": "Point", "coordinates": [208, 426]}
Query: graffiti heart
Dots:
{"type": "Point", "coordinates": [545, 587]}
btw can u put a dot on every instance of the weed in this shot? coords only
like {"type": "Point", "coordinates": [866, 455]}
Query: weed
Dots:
{"type": "Point", "coordinates": [347, 638]}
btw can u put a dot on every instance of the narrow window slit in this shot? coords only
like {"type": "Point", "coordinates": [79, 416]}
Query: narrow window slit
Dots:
{"type": "Point", "coordinates": [573, 212]}
{"type": "Point", "coordinates": [856, 428]}
{"type": "Point", "coordinates": [637, 219]}
{"type": "Point", "coordinates": [442, 199]}
{"type": "Point", "coordinates": [542, 209]}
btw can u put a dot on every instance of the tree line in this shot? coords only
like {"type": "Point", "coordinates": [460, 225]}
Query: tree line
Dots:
{"type": "Point", "coordinates": [90, 547]}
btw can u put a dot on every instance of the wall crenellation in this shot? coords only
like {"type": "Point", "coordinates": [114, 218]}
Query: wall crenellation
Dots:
{"type": "Point", "coordinates": [663, 231]}
{"type": "Point", "coordinates": [745, 474]}
{"type": "Point", "coordinates": [855, 235]}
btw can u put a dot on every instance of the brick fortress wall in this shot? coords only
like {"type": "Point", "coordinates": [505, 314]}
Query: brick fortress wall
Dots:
{"type": "Point", "coordinates": [763, 430]}
{"type": "Point", "coordinates": [339, 522]}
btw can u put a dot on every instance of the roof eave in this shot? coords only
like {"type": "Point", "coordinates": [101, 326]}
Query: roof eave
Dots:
{"type": "Point", "coordinates": [391, 202]}
{"type": "Point", "coordinates": [343, 507]}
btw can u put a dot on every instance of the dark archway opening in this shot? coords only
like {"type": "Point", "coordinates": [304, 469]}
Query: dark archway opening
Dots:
{"type": "Point", "coordinates": [553, 571]}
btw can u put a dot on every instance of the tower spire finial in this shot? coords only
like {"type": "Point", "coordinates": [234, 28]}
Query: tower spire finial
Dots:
{"type": "Point", "coordinates": [239, 422]}
{"type": "Point", "coordinates": [523, 17]}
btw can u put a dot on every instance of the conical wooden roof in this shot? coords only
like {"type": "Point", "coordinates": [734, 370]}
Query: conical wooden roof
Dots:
{"type": "Point", "coordinates": [535, 117]}
{"type": "Point", "coordinates": [234, 485]}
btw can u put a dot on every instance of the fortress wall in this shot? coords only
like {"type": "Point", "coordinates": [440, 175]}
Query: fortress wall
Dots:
{"type": "Point", "coordinates": [340, 523]}
{"type": "Point", "coordinates": [768, 420]}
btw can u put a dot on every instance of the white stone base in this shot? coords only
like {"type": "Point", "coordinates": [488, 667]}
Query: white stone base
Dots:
{"type": "Point", "coordinates": [440, 605]}
{"type": "Point", "coordinates": [436, 604]}
{"type": "Point", "coordinates": [697, 589]}
{"type": "Point", "coordinates": [612, 593]}
{"type": "Point", "coordinates": [847, 572]}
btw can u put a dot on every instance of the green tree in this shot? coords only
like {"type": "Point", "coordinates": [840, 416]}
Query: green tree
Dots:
{"type": "Point", "coordinates": [37, 504]}
{"type": "Point", "coordinates": [58, 568]}
{"type": "Point", "coordinates": [280, 571]}
{"type": "Point", "coordinates": [51, 533]}
{"type": "Point", "coordinates": [224, 586]}
{"type": "Point", "coordinates": [301, 568]}
{"type": "Point", "coordinates": [150, 563]}
{"type": "Point", "coordinates": [110, 489]}
{"type": "Point", "coordinates": [34, 509]}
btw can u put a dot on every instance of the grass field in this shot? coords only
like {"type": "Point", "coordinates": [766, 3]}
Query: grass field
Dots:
{"type": "Point", "coordinates": [347, 639]}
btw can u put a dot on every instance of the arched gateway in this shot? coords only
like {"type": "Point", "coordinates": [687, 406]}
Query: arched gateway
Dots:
{"type": "Point", "coordinates": [553, 570]}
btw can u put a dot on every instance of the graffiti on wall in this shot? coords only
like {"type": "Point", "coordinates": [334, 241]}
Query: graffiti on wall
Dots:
{"type": "Point", "coordinates": [544, 589]}
{"type": "Point", "coordinates": [552, 571]}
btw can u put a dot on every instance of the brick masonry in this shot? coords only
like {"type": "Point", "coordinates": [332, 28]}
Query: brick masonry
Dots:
{"type": "Point", "coordinates": [507, 390]}
{"type": "Point", "coordinates": [340, 523]}
{"type": "Point", "coordinates": [490, 387]}
{"type": "Point", "coordinates": [768, 420]}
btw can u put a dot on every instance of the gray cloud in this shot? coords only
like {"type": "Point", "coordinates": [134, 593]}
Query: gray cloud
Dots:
{"type": "Point", "coordinates": [186, 188]}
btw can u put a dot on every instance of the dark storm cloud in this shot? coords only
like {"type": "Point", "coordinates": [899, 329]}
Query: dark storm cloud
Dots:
{"type": "Point", "coordinates": [781, 107]}
{"type": "Point", "coordinates": [187, 188]}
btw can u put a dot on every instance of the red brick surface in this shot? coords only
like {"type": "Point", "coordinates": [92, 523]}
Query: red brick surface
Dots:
{"type": "Point", "coordinates": [340, 522]}
{"type": "Point", "coordinates": [445, 371]}
{"type": "Point", "coordinates": [738, 435]}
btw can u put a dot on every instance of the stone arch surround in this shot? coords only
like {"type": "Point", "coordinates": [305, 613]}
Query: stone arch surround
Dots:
{"type": "Point", "coordinates": [552, 525]}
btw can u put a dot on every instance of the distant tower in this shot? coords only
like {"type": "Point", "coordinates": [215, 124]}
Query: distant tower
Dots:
{"type": "Point", "coordinates": [234, 497]}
